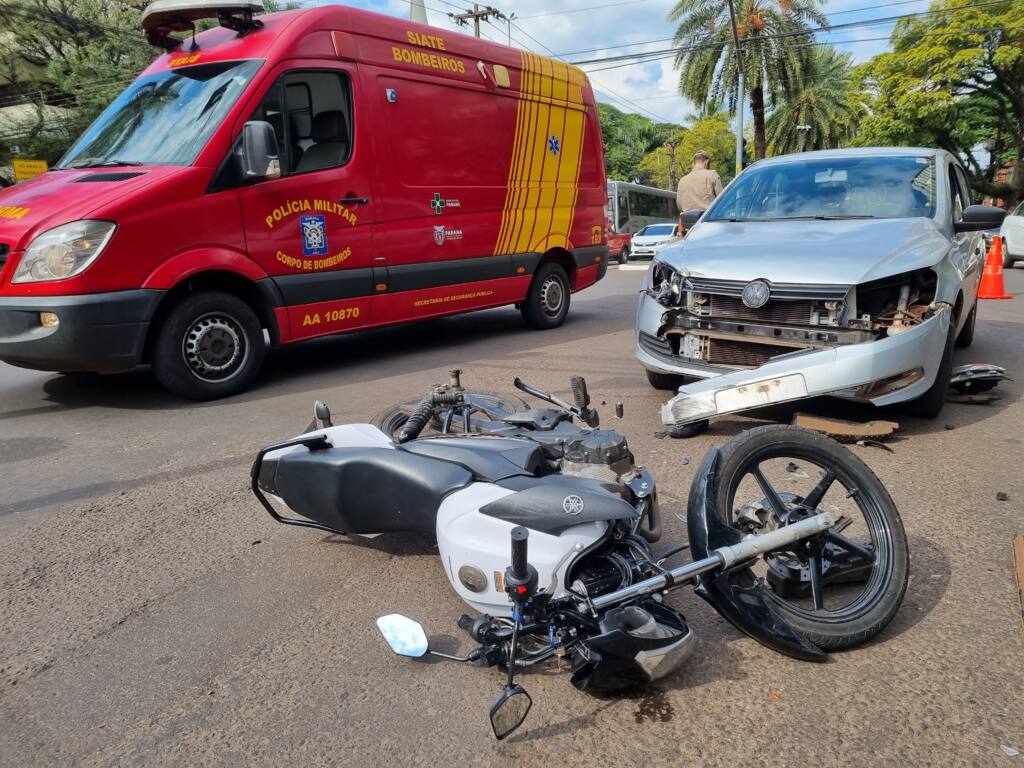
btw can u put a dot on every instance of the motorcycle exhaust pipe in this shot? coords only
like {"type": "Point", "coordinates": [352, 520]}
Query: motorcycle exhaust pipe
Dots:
{"type": "Point", "coordinates": [723, 557]}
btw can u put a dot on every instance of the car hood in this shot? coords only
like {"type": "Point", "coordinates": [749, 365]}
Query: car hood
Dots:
{"type": "Point", "coordinates": [837, 252]}
{"type": "Point", "coordinates": [58, 197]}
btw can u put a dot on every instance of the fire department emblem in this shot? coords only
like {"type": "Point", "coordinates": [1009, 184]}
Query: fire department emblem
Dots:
{"type": "Point", "coordinates": [572, 504]}
{"type": "Point", "coordinates": [439, 235]}
{"type": "Point", "coordinates": [314, 235]}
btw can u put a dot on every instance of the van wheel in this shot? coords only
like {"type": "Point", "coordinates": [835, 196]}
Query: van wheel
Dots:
{"type": "Point", "coordinates": [547, 302]}
{"type": "Point", "coordinates": [210, 345]}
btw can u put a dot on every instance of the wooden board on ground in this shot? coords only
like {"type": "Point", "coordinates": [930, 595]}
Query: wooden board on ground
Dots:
{"type": "Point", "coordinates": [846, 430]}
{"type": "Point", "coordinates": [1018, 559]}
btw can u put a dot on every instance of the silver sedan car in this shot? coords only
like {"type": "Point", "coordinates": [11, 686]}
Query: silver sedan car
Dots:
{"type": "Point", "coordinates": [849, 273]}
{"type": "Point", "coordinates": [1013, 237]}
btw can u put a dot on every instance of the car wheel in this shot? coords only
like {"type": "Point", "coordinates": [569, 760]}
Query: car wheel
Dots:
{"type": "Point", "coordinates": [663, 380]}
{"type": "Point", "coordinates": [930, 404]}
{"type": "Point", "coordinates": [210, 345]}
{"type": "Point", "coordinates": [966, 335]}
{"type": "Point", "coordinates": [1008, 260]}
{"type": "Point", "coordinates": [689, 430]}
{"type": "Point", "coordinates": [547, 303]}
{"type": "Point", "coordinates": [624, 255]}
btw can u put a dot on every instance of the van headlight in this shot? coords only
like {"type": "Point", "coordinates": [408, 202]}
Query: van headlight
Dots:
{"type": "Point", "coordinates": [63, 251]}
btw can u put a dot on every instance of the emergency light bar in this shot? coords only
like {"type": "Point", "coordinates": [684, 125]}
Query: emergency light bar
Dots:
{"type": "Point", "coordinates": [163, 17]}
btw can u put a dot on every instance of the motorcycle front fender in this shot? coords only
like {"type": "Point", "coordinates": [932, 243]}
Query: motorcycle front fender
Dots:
{"type": "Point", "coordinates": [740, 598]}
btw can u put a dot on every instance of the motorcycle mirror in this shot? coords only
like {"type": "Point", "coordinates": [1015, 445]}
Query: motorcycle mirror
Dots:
{"type": "Point", "coordinates": [405, 636]}
{"type": "Point", "coordinates": [509, 710]}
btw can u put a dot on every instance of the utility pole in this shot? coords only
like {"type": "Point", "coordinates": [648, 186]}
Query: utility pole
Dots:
{"type": "Point", "coordinates": [739, 90]}
{"type": "Point", "coordinates": [417, 11]}
{"type": "Point", "coordinates": [477, 14]}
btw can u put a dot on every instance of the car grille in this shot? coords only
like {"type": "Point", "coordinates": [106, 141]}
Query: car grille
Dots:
{"type": "Point", "coordinates": [784, 312]}
{"type": "Point", "coordinates": [787, 291]}
{"type": "Point", "coordinates": [728, 352]}
{"type": "Point", "coordinates": [655, 346]}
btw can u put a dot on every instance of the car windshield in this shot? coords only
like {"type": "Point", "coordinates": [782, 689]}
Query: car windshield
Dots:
{"type": "Point", "coordinates": [832, 188]}
{"type": "Point", "coordinates": [656, 229]}
{"type": "Point", "coordinates": [162, 119]}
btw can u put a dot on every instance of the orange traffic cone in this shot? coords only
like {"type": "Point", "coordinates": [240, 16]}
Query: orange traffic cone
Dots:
{"type": "Point", "coordinates": [992, 278]}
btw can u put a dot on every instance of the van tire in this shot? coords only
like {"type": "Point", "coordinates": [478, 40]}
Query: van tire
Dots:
{"type": "Point", "coordinates": [210, 345]}
{"type": "Point", "coordinates": [624, 255]}
{"type": "Point", "coordinates": [547, 302]}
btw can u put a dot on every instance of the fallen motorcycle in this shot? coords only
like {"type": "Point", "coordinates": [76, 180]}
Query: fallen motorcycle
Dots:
{"type": "Point", "coordinates": [545, 526]}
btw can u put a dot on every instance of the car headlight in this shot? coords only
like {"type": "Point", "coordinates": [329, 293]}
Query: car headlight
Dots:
{"type": "Point", "coordinates": [63, 251]}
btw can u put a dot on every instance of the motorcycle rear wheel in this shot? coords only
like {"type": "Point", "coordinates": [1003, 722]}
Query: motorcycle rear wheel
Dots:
{"type": "Point", "coordinates": [814, 594]}
{"type": "Point", "coordinates": [391, 420]}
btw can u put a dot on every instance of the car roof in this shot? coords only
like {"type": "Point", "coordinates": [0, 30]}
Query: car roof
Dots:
{"type": "Point", "coordinates": [825, 154]}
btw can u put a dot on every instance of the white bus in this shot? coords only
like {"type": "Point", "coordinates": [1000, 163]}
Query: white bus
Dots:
{"type": "Point", "coordinates": [631, 207]}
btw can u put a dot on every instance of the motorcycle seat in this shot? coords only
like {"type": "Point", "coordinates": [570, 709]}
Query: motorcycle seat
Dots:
{"type": "Point", "coordinates": [489, 458]}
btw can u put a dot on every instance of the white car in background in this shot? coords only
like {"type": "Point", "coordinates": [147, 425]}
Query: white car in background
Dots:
{"type": "Point", "coordinates": [648, 241]}
{"type": "Point", "coordinates": [1013, 237]}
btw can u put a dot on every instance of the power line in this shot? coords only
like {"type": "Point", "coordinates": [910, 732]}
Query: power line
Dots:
{"type": "Point", "coordinates": [809, 31]}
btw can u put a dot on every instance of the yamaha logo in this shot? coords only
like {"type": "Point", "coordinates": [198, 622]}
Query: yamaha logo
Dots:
{"type": "Point", "coordinates": [573, 505]}
{"type": "Point", "coordinates": [756, 294]}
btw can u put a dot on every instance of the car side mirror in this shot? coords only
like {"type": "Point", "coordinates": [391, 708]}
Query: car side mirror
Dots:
{"type": "Point", "coordinates": [980, 217]}
{"type": "Point", "coordinates": [259, 151]}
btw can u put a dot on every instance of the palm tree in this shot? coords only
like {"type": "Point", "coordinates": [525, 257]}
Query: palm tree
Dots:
{"type": "Point", "coordinates": [774, 37]}
{"type": "Point", "coordinates": [821, 114]}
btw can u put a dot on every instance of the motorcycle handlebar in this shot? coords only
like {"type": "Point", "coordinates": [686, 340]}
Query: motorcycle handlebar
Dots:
{"type": "Point", "coordinates": [520, 566]}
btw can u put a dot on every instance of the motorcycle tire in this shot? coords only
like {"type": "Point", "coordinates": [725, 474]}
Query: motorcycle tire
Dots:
{"type": "Point", "coordinates": [391, 420]}
{"type": "Point", "coordinates": [867, 614]}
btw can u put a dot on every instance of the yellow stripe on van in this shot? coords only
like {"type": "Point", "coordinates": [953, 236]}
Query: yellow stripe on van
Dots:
{"type": "Point", "coordinates": [542, 193]}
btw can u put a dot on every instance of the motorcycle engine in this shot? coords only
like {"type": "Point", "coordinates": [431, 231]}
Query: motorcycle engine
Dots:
{"type": "Point", "coordinates": [600, 454]}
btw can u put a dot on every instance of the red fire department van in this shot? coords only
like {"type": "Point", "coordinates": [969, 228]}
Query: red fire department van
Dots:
{"type": "Point", "coordinates": [301, 173]}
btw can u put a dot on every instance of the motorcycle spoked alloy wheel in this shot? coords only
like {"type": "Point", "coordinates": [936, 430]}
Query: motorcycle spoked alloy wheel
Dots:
{"type": "Point", "coordinates": [838, 589]}
{"type": "Point", "coordinates": [391, 420]}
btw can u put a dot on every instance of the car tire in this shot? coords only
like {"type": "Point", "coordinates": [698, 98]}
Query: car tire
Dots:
{"type": "Point", "coordinates": [1008, 260]}
{"type": "Point", "coordinates": [666, 381]}
{"type": "Point", "coordinates": [210, 345]}
{"type": "Point", "coordinates": [547, 302]}
{"type": "Point", "coordinates": [689, 430]}
{"type": "Point", "coordinates": [966, 336]}
{"type": "Point", "coordinates": [624, 255]}
{"type": "Point", "coordinates": [930, 404]}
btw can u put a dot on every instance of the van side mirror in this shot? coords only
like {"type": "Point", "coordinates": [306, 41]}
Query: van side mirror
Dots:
{"type": "Point", "coordinates": [259, 151]}
{"type": "Point", "coordinates": [980, 217]}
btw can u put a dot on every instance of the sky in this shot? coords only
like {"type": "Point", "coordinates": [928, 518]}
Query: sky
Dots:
{"type": "Point", "coordinates": [587, 29]}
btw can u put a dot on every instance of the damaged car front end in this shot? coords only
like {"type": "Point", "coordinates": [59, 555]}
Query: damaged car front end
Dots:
{"type": "Point", "coordinates": [835, 290]}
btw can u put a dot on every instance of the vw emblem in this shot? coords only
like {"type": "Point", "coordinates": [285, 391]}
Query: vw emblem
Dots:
{"type": "Point", "coordinates": [755, 294]}
{"type": "Point", "coordinates": [573, 505]}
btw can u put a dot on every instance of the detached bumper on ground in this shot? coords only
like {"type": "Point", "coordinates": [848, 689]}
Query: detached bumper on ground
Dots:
{"type": "Point", "coordinates": [102, 332]}
{"type": "Point", "coordinates": [890, 370]}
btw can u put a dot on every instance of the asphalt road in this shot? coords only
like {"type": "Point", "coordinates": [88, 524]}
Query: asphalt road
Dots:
{"type": "Point", "coordinates": [151, 613]}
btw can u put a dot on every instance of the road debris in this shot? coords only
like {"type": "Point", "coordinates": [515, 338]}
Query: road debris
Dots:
{"type": "Point", "coordinates": [1009, 751]}
{"type": "Point", "coordinates": [1002, 496]}
{"type": "Point", "coordinates": [875, 444]}
{"type": "Point", "coordinates": [846, 431]}
{"type": "Point", "coordinates": [978, 398]}
{"type": "Point", "coordinates": [976, 377]}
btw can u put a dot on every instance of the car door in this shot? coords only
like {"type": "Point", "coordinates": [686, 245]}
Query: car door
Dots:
{"type": "Point", "coordinates": [311, 229]}
{"type": "Point", "coordinates": [969, 246]}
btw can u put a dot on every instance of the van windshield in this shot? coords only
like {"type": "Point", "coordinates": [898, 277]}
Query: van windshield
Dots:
{"type": "Point", "coordinates": [859, 187]}
{"type": "Point", "coordinates": [162, 119]}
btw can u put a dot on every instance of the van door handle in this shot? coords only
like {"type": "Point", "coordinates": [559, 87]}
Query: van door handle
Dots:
{"type": "Point", "coordinates": [354, 200]}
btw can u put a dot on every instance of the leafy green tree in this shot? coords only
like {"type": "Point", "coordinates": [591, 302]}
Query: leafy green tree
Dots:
{"type": "Point", "coordinates": [665, 165]}
{"type": "Point", "coordinates": [627, 138]}
{"type": "Point", "coordinates": [954, 79]}
{"type": "Point", "coordinates": [821, 114]}
{"type": "Point", "coordinates": [773, 39]}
